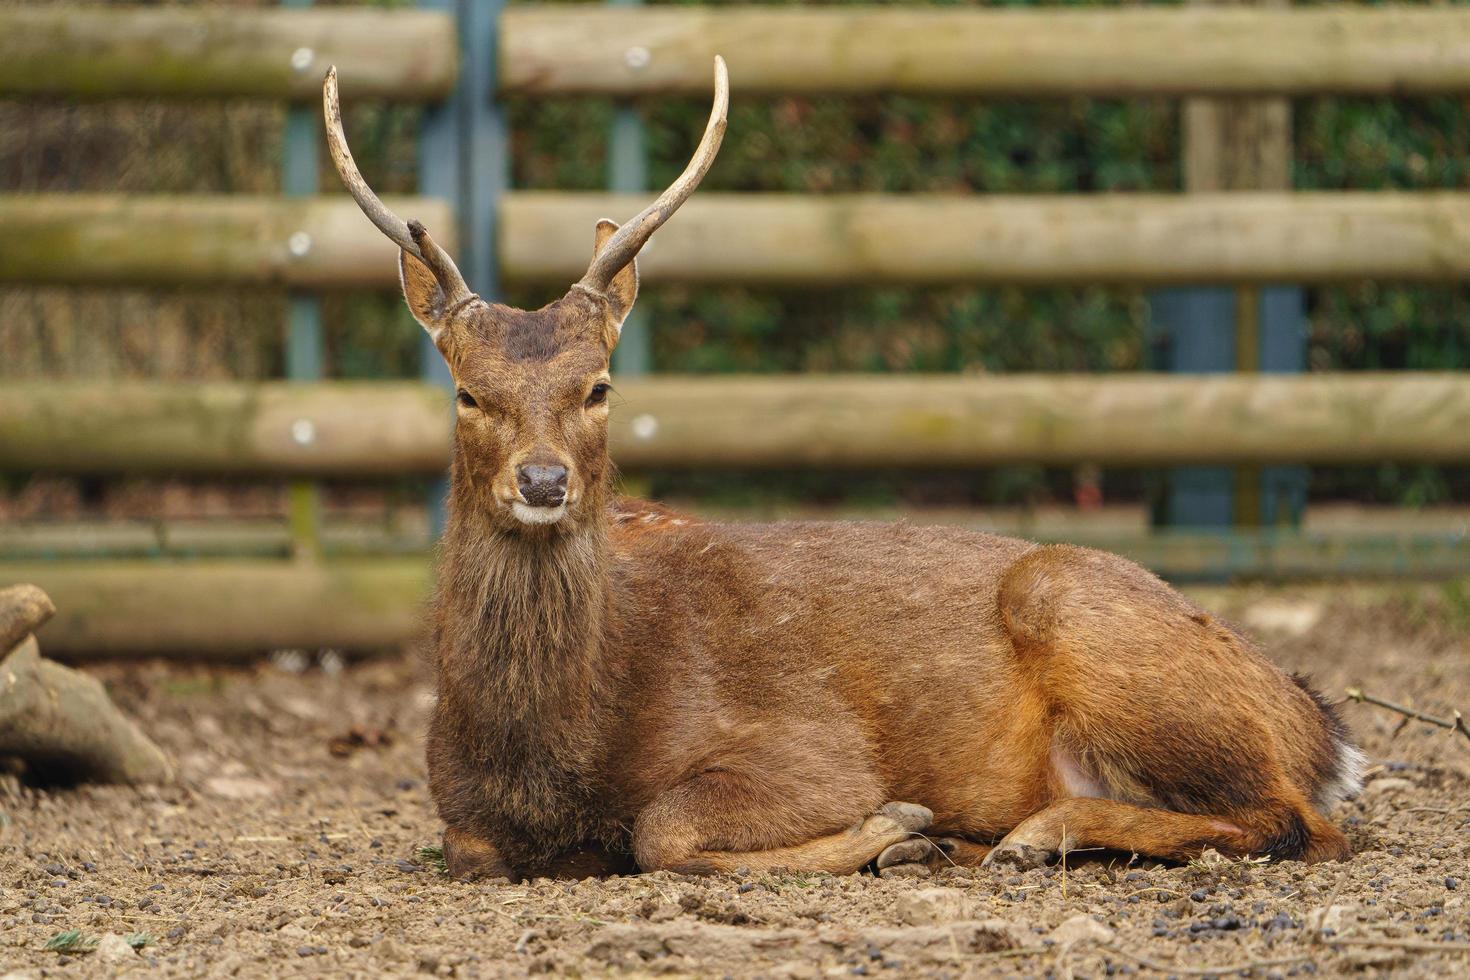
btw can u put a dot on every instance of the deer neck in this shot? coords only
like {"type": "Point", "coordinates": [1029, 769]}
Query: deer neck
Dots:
{"type": "Point", "coordinates": [521, 624]}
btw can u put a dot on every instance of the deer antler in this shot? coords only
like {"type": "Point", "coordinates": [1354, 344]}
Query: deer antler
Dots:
{"type": "Point", "coordinates": [627, 240]}
{"type": "Point", "coordinates": [409, 236]}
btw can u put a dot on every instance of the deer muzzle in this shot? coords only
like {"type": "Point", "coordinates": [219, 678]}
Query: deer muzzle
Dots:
{"type": "Point", "coordinates": [542, 485]}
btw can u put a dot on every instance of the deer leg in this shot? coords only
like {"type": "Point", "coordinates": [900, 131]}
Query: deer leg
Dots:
{"type": "Point", "coordinates": [715, 823]}
{"type": "Point", "coordinates": [1150, 699]}
{"type": "Point", "coordinates": [1081, 823]}
{"type": "Point", "coordinates": [1089, 824]}
{"type": "Point", "coordinates": [468, 856]}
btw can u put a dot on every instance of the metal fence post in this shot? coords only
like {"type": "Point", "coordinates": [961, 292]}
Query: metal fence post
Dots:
{"type": "Point", "coordinates": [627, 158]}
{"type": "Point", "coordinates": [304, 348]}
{"type": "Point", "coordinates": [1208, 330]}
{"type": "Point", "coordinates": [464, 158]}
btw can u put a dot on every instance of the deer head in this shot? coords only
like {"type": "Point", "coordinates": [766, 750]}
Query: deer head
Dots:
{"type": "Point", "coordinates": [531, 386]}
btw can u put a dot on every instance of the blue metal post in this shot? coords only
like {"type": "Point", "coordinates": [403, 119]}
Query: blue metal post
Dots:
{"type": "Point", "coordinates": [485, 173]}
{"type": "Point", "coordinates": [304, 348]}
{"type": "Point", "coordinates": [464, 158]}
{"type": "Point", "coordinates": [1283, 350]}
{"type": "Point", "coordinates": [1198, 329]}
{"type": "Point", "coordinates": [628, 174]}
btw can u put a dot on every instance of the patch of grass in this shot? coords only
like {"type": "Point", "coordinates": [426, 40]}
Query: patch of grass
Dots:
{"type": "Point", "coordinates": [432, 856]}
{"type": "Point", "coordinates": [71, 941]}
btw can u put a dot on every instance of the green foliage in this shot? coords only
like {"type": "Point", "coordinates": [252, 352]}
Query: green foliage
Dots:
{"type": "Point", "coordinates": [75, 941]}
{"type": "Point", "coordinates": [432, 856]}
{"type": "Point", "coordinates": [72, 941]}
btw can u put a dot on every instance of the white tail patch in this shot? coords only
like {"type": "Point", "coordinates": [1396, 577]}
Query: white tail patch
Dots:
{"type": "Point", "coordinates": [1347, 780]}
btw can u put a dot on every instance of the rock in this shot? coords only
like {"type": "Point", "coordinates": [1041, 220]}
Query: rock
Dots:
{"type": "Point", "coordinates": [1330, 918]}
{"type": "Point", "coordinates": [1212, 859]}
{"type": "Point", "coordinates": [1080, 929]}
{"type": "Point", "coordinates": [931, 906]}
{"type": "Point", "coordinates": [238, 788]}
{"type": "Point", "coordinates": [114, 949]}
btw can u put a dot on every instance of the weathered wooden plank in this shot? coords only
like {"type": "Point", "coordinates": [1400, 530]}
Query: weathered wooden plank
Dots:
{"type": "Point", "coordinates": [91, 52]}
{"type": "Point", "coordinates": [1134, 419]}
{"type": "Point", "coordinates": [773, 238]}
{"type": "Point", "coordinates": [210, 609]}
{"type": "Point", "coordinates": [832, 421]}
{"type": "Point", "coordinates": [115, 239]}
{"type": "Point", "coordinates": [1128, 51]}
{"type": "Point", "coordinates": [1223, 238]}
{"type": "Point", "coordinates": [343, 428]}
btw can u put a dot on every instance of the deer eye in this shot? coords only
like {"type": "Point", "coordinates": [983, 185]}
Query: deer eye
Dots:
{"type": "Point", "coordinates": [466, 399]}
{"type": "Point", "coordinates": [598, 395]}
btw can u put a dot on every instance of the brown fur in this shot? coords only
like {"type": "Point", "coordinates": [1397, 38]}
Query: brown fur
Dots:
{"type": "Point", "coordinates": [632, 687]}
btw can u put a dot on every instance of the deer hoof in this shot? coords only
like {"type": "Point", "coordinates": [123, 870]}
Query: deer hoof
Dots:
{"type": "Point", "coordinates": [917, 851]}
{"type": "Point", "coordinates": [910, 816]}
{"type": "Point", "coordinates": [916, 857]}
{"type": "Point", "coordinates": [1016, 855]}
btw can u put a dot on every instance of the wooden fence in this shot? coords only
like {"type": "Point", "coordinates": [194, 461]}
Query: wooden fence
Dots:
{"type": "Point", "coordinates": [320, 241]}
{"type": "Point", "coordinates": [365, 429]}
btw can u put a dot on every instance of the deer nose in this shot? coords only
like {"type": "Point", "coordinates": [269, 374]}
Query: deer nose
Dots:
{"type": "Point", "coordinates": [542, 486]}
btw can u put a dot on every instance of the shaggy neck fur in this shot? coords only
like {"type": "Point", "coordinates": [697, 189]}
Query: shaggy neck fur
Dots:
{"type": "Point", "coordinates": [522, 681]}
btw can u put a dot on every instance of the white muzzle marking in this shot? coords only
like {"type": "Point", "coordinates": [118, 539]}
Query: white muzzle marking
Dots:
{"type": "Point", "coordinates": [527, 514]}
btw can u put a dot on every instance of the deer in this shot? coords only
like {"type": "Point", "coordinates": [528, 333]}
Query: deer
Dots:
{"type": "Point", "coordinates": [625, 688]}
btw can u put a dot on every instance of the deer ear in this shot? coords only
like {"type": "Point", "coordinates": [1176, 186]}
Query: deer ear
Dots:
{"type": "Point", "coordinates": [424, 294]}
{"type": "Point", "coordinates": [623, 289]}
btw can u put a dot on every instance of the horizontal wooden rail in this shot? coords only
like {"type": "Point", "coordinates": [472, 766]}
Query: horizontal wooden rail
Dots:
{"type": "Point", "coordinates": [761, 238]}
{"type": "Point", "coordinates": [1140, 238]}
{"type": "Point", "coordinates": [92, 52]}
{"type": "Point", "coordinates": [203, 609]}
{"type": "Point", "coordinates": [356, 428]}
{"type": "Point", "coordinates": [363, 428]}
{"type": "Point", "coordinates": [1386, 50]}
{"type": "Point", "coordinates": [115, 239]}
{"type": "Point", "coordinates": [211, 609]}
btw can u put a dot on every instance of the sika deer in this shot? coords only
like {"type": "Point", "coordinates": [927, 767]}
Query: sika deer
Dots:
{"type": "Point", "coordinates": [624, 687]}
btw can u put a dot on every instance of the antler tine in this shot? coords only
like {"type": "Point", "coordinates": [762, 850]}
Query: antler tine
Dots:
{"type": "Point", "coordinates": [409, 236]}
{"type": "Point", "coordinates": [627, 240]}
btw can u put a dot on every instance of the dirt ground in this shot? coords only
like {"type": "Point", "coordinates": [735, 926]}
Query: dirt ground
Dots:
{"type": "Point", "coordinates": [292, 847]}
